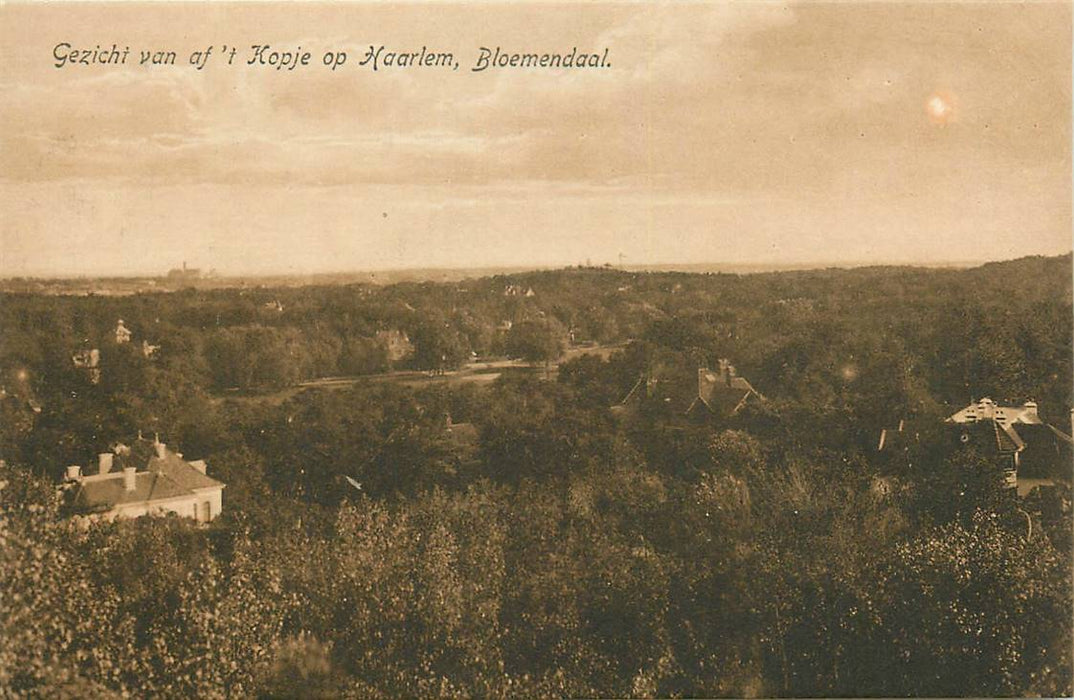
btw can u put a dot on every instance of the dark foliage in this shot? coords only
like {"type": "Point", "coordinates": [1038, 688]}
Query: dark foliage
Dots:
{"type": "Point", "coordinates": [518, 538]}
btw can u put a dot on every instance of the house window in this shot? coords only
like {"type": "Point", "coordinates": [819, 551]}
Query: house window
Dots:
{"type": "Point", "coordinates": [205, 515]}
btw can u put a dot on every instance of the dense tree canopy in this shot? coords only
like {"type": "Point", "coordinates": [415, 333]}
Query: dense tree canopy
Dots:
{"type": "Point", "coordinates": [522, 537]}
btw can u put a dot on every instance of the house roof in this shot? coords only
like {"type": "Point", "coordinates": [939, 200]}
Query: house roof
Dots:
{"type": "Point", "coordinates": [987, 409]}
{"type": "Point", "coordinates": [991, 434]}
{"type": "Point", "coordinates": [181, 472]}
{"type": "Point", "coordinates": [103, 492]}
{"type": "Point", "coordinates": [685, 392]}
{"type": "Point", "coordinates": [1061, 436]}
{"type": "Point", "coordinates": [723, 395]}
{"type": "Point", "coordinates": [1040, 449]}
{"type": "Point", "coordinates": [1036, 449]}
{"type": "Point", "coordinates": [1007, 439]}
{"type": "Point", "coordinates": [1047, 453]}
{"type": "Point", "coordinates": [155, 479]}
{"type": "Point", "coordinates": [1013, 427]}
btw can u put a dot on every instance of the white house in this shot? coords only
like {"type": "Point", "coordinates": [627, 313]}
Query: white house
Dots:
{"type": "Point", "coordinates": [145, 478]}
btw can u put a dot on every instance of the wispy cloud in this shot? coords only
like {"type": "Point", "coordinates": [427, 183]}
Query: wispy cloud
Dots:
{"type": "Point", "coordinates": [717, 121]}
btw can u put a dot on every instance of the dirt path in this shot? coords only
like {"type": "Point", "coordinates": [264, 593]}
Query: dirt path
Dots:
{"type": "Point", "coordinates": [477, 372]}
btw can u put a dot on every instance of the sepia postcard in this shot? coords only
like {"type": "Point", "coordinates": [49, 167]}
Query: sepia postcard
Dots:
{"type": "Point", "coordinates": [536, 349]}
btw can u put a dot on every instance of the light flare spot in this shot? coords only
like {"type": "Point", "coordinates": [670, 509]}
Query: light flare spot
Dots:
{"type": "Point", "coordinates": [940, 108]}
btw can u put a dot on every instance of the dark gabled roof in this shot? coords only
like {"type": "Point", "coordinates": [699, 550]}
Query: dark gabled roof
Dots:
{"type": "Point", "coordinates": [1059, 434]}
{"type": "Point", "coordinates": [1039, 449]}
{"type": "Point", "coordinates": [721, 395]}
{"type": "Point", "coordinates": [688, 392]}
{"type": "Point", "coordinates": [1007, 439]}
{"type": "Point", "coordinates": [1002, 438]}
{"type": "Point", "coordinates": [1048, 452]}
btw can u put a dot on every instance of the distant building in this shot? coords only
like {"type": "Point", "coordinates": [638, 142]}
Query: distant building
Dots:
{"type": "Point", "coordinates": [721, 393]}
{"type": "Point", "coordinates": [515, 290]}
{"type": "Point", "coordinates": [396, 343]}
{"type": "Point", "coordinates": [123, 334]}
{"type": "Point", "coordinates": [145, 478]}
{"type": "Point", "coordinates": [184, 274]}
{"type": "Point", "coordinates": [89, 359]}
{"type": "Point", "coordinates": [149, 351]}
{"type": "Point", "coordinates": [1030, 451]}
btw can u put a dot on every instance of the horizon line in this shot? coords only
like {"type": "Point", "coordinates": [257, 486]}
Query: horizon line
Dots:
{"type": "Point", "coordinates": [743, 267]}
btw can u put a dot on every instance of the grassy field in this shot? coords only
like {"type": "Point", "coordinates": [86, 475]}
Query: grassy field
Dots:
{"type": "Point", "coordinates": [483, 371]}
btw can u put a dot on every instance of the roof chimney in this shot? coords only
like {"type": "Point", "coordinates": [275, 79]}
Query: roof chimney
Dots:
{"type": "Point", "coordinates": [128, 478]}
{"type": "Point", "coordinates": [158, 446]}
{"type": "Point", "coordinates": [725, 370]}
{"type": "Point", "coordinates": [73, 473]}
{"type": "Point", "coordinates": [104, 462]}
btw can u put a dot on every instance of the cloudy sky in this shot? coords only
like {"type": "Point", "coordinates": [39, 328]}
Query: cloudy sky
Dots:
{"type": "Point", "coordinates": [753, 133]}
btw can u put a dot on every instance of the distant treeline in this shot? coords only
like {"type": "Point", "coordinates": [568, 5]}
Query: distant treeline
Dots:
{"type": "Point", "coordinates": [882, 343]}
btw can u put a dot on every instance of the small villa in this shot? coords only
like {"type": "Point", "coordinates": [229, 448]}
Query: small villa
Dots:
{"type": "Point", "coordinates": [144, 478]}
{"type": "Point", "coordinates": [1032, 451]}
